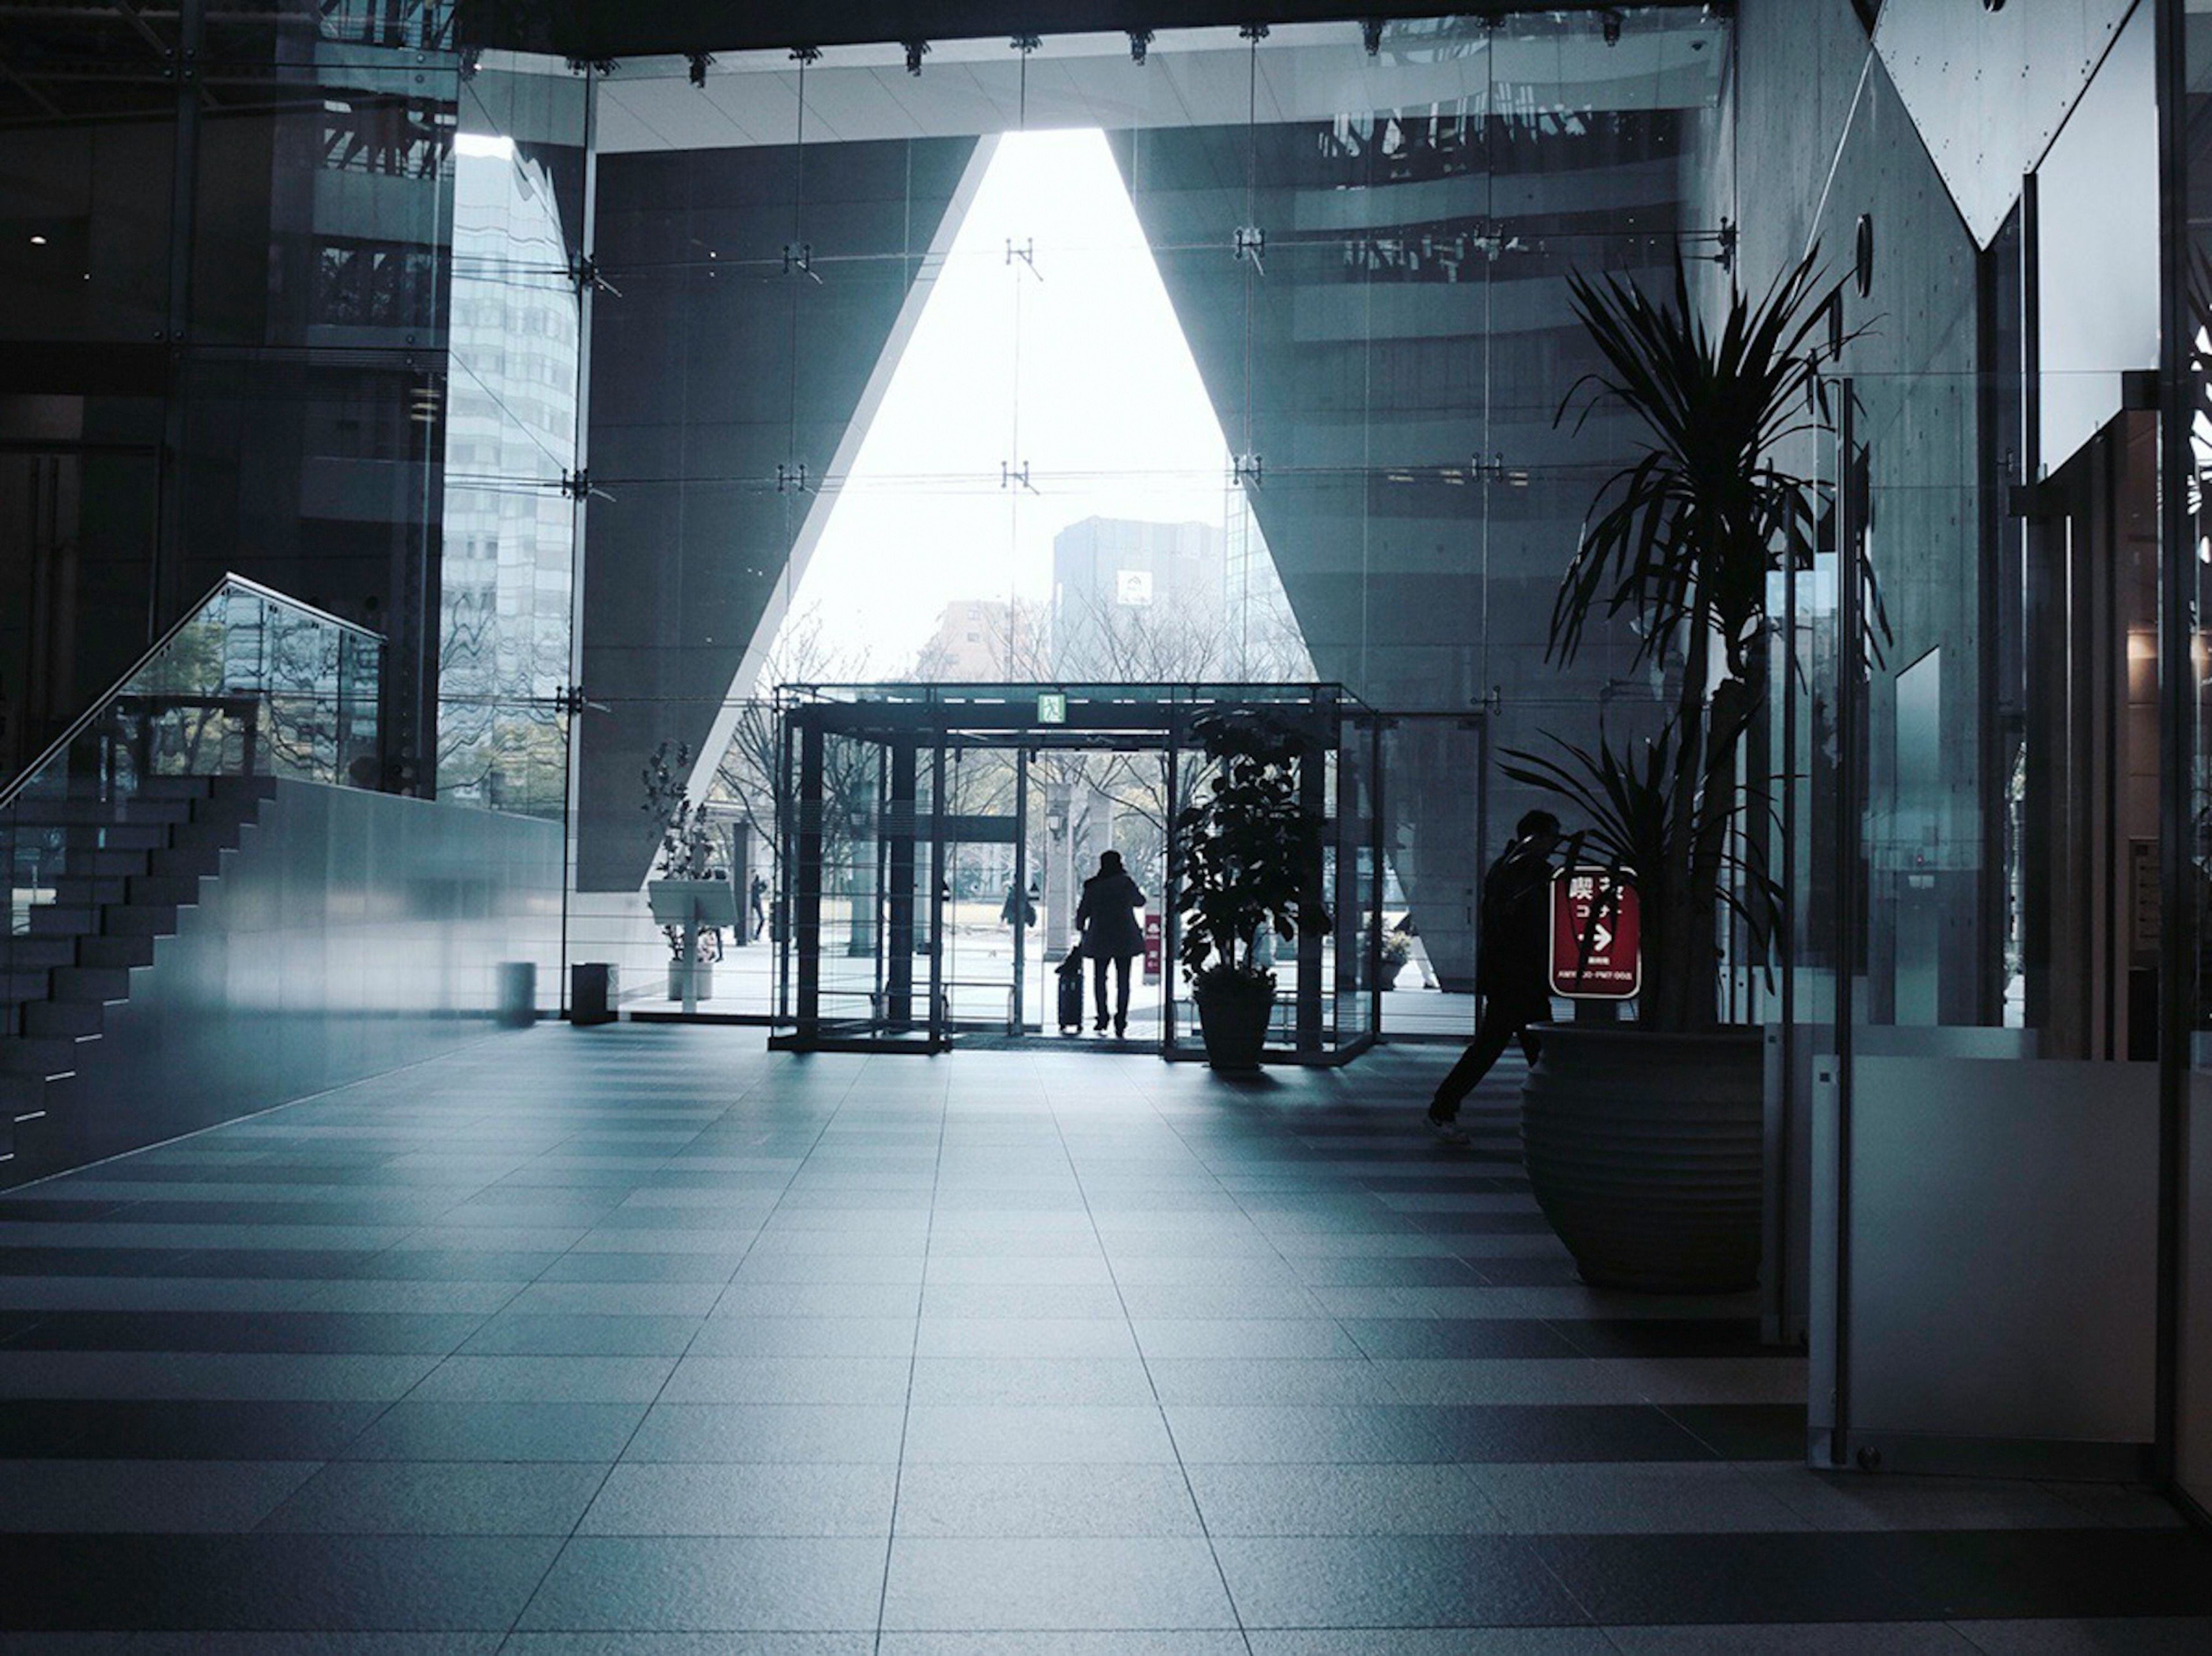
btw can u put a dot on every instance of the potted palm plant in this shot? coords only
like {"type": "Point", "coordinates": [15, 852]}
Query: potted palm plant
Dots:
{"type": "Point", "coordinates": [1248, 854]}
{"type": "Point", "coordinates": [1643, 1141]}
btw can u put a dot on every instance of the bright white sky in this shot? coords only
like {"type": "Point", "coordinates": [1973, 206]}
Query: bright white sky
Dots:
{"type": "Point", "coordinates": [1080, 369]}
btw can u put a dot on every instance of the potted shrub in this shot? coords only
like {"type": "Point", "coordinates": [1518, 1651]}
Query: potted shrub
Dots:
{"type": "Point", "coordinates": [1247, 861]}
{"type": "Point", "coordinates": [1396, 950]}
{"type": "Point", "coordinates": [687, 852]}
{"type": "Point", "coordinates": [1643, 1139]}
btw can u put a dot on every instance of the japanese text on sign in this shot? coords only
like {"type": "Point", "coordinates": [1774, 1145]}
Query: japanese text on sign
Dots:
{"type": "Point", "coordinates": [1596, 937]}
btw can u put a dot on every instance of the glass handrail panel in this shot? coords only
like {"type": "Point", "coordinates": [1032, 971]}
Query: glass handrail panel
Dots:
{"type": "Point", "coordinates": [249, 682]}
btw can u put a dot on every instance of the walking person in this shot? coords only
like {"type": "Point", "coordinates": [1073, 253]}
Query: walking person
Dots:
{"type": "Point", "coordinates": [759, 918]}
{"type": "Point", "coordinates": [1107, 916]}
{"type": "Point", "coordinates": [1512, 968]}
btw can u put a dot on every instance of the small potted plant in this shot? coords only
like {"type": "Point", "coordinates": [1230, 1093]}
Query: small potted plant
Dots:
{"type": "Point", "coordinates": [687, 852]}
{"type": "Point", "coordinates": [1397, 950]}
{"type": "Point", "coordinates": [1249, 867]}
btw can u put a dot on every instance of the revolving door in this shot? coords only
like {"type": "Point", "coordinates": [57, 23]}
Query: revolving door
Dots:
{"type": "Point", "coordinates": [939, 834]}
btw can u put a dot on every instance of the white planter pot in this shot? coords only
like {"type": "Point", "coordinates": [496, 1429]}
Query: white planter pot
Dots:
{"type": "Point", "coordinates": [704, 978]}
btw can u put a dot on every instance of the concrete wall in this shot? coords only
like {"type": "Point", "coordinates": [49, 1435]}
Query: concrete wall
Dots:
{"type": "Point", "coordinates": [351, 935]}
{"type": "Point", "coordinates": [1822, 141]}
{"type": "Point", "coordinates": [708, 374]}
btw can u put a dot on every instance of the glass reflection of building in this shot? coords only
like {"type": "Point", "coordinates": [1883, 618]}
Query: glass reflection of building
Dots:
{"type": "Point", "coordinates": [508, 524]}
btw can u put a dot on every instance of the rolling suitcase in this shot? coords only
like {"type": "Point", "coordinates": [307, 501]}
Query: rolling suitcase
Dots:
{"type": "Point", "coordinates": [1070, 972]}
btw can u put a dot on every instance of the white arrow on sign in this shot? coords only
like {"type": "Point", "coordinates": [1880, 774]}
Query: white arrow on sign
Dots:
{"type": "Point", "coordinates": [1601, 938]}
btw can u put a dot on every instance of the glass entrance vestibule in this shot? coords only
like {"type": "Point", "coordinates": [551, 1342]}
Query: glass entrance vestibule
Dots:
{"type": "Point", "coordinates": [941, 835]}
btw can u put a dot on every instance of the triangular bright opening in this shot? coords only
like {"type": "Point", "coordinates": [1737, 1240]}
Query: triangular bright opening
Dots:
{"type": "Point", "coordinates": [1047, 382]}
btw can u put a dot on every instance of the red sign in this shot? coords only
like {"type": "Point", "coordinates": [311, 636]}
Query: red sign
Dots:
{"type": "Point", "coordinates": [1596, 937]}
{"type": "Point", "coordinates": [1152, 948]}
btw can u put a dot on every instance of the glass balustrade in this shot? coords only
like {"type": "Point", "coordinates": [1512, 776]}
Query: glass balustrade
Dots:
{"type": "Point", "coordinates": [249, 682]}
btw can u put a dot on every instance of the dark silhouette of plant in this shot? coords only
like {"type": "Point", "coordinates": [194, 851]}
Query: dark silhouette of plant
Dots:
{"type": "Point", "coordinates": [1248, 849]}
{"type": "Point", "coordinates": [687, 844]}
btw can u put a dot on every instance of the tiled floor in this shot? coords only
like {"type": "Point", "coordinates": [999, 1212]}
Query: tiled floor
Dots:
{"type": "Point", "coordinates": [636, 1340]}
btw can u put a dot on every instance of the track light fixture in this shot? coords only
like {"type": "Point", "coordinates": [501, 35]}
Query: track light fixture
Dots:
{"type": "Point", "coordinates": [1140, 43]}
{"type": "Point", "coordinates": [915, 51]}
{"type": "Point", "coordinates": [700, 62]}
{"type": "Point", "coordinates": [1371, 35]}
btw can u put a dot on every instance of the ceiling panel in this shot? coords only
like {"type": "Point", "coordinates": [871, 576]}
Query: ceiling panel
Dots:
{"type": "Point", "coordinates": [1198, 77]}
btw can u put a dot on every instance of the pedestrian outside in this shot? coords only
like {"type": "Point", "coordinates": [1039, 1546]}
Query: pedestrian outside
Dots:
{"type": "Point", "coordinates": [1107, 916]}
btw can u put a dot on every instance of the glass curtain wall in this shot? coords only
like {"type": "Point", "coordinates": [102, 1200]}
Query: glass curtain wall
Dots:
{"type": "Point", "coordinates": [511, 429]}
{"type": "Point", "coordinates": [222, 298]}
{"type": "Point", "coordinates": [308, 313]}
{"type": "Point", "coordinates": [1354, 255]}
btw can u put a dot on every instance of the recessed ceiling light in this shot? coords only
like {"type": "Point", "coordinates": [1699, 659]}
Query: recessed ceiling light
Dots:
{"type": "Point", "coordinates": [38, 241]}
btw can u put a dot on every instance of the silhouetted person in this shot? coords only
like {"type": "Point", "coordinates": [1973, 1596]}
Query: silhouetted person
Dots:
{"type": "Point", "coordinates": [1017, 903]}
{"type": "Point", "coordinates": [1512, 968]}
{"type": "Point", "coordinates": [1107, 917]}
{"type": "Point", "coordinates": [759, 916]}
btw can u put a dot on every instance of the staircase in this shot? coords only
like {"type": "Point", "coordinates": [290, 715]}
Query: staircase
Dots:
{"type": "Point", "coordinates": [133, 864]}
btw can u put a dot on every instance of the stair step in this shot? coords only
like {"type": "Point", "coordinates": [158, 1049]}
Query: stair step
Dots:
{"type": "Point", "coordinates": [89, 891]}
{"type": "Point", "coordinates": [187, 862]}
{"type": "Point", "coordinates": [24, 983]}
{"type": "Point", "coordinates": [248, 788]}
{"type": "Point", "coordinates": [115, 951]}
{"type": "Point", "coordinates": [228, 801]}
{"type": "Point", "coordinates": [65, 812]}
{"type": "Point", "coordinates": [64, 1018]}
{"type": "Point", "coordinates": [172, 889]}
{"type": "Point", "coordinates": [174, 788]}
{"type": "Point", "coordinates": [93, 983]}
{"type": "Point", "coordinates": [106, 861]}
{"type": "Point", "coordinates": [217, 834]}
{"type": "Point", "coordinates": [21, 1095]}
{"type": "Point", "coordinates": [63, 919]}
{"type": "Point", "coordinates": [139, 919]}
{"type": "Point", "coordinates": [49, 1056]}
{"type": "Point", "coordinates": [36, 953]}
{"type": "Point", "coordinates": [117, 836]}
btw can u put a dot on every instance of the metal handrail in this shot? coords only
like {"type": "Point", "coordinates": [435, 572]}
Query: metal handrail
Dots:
{"type": "Point", "coordinates": [100, 703]}
{"type": "Point", "coordinates": [291, 603]}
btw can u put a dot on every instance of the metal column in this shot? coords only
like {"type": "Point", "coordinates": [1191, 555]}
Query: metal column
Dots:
{"type": "Point", "coordinates": [899, 825]}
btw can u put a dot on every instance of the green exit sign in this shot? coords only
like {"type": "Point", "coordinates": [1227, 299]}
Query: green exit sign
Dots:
{"type": "Point", "coordinates": [1052, 707]}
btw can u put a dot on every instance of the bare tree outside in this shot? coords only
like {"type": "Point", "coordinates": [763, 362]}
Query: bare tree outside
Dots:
{"type": "Point", "coordinates": [748, 775]}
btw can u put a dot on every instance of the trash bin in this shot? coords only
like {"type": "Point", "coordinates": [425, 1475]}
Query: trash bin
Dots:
{"type": "Point", "coordinates": [517, 993]}
{"type": "Point", "coordinates": [592, 992]}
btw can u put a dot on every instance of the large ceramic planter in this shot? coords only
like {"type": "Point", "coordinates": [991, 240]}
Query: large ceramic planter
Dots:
{"type": "Point", "coordinates": [1232, 1019]}
{"type": "Point", "coordinates": [702, 973]}
{"type": "Point", "coordinates": [1644, 1153]}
